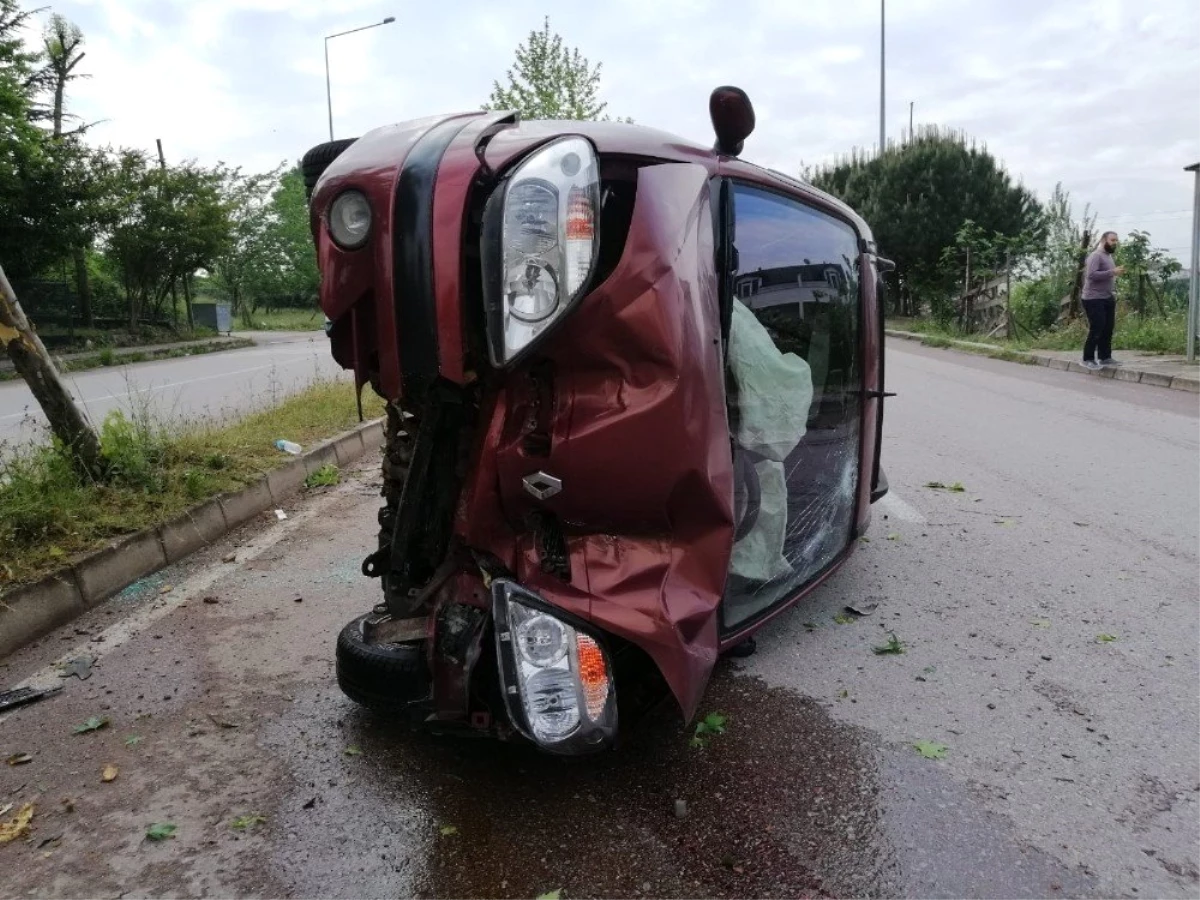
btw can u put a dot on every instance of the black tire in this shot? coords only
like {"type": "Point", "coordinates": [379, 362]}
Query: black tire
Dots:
{"type": "Point", "coordinates": [317, 160]}
{"type": "Point", "coordinates": [382, 677]}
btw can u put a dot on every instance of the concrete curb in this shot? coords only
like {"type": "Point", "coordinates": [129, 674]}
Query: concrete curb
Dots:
{"type": "Point", "coordinates": [1157, 379]}
{"type": "Point", "coordinates": [33, 610]}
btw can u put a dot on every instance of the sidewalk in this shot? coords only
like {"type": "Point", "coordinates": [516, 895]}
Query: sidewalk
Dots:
{"type": "Point", "coordinates": [1144, 368]}
{"type": "Point", "coordinates": [236, 339]}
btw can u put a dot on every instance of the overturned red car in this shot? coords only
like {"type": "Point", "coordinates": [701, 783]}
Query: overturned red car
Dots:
{"type": "Point", "coordinates": [634, 402]}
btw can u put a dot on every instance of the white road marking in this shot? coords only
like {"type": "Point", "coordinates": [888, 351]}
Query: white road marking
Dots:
{"type": "Point", "coordinates": [894, 506]}
{"type": "Point", "coordinates": [190, 589]}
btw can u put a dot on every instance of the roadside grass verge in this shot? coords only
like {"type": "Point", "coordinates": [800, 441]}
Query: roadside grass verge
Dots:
{"type": "Point", "coordinates": [1159, 334]}
{"type": "Point", "coordinates": [107, 356]}
{"type": "Point", "coordinates": [281, 320]}
{"type": "Point", "coordinates": [48, 516]}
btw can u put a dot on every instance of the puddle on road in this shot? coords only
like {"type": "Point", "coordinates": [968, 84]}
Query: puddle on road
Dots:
{"type": "Point", "coordinates": [782, 804]}
{"type": "Point", "coordinates": [787, 802]}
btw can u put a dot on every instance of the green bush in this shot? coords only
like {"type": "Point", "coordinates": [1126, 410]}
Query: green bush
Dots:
{"type": "Point", "coordinates": [135, 450]}
{"type": "Point", "coordinates": [1035, 304]}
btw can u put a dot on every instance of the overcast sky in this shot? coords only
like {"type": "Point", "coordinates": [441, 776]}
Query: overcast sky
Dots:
{"type": "Point", "coordinates": [1103, 95]}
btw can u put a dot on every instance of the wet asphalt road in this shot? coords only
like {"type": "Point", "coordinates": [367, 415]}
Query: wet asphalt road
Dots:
{"type": "Point", "coordinates": [1071, 765]}
{"type": "Point", "coordinates": [210, 386]}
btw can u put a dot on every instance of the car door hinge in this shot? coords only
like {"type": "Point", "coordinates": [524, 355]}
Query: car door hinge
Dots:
{"type": "Point", "coordinates": [879, 395]}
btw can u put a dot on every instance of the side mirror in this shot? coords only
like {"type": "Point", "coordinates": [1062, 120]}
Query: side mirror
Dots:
{"type": "Point", "coordinates": [732, 116]}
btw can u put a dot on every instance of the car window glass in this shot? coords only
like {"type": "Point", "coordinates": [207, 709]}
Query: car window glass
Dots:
{"type": "Point", "coordinates": [794, 377]}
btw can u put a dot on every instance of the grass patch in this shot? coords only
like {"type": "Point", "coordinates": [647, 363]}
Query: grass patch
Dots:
{"type": "Point", "coordinates": [47, 516]}
{"type": "Point", "coordinates": [1158, 334]}
{"type": "Point", "coordinates": [281, 320]}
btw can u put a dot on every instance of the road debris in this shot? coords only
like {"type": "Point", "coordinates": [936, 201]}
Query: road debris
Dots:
{"type": "Point", "coordinates": [865, 608]}
{"type": "Point", "coordinates": [80, 667]}
{"type": "Point", "coordinates": [19, 696]}
{"type": "Point", "coordinates": [109, 773]}
{"type": "Point", "coordinates": [19, 759]}
{"type": "Point", "coordinates": [280, 515]}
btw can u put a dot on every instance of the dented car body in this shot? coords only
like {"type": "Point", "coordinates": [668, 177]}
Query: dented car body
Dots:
{"type": "Point", "coordinates": [634, 392]}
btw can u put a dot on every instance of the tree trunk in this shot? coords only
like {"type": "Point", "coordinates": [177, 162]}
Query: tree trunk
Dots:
{"type": "Point", "coordinates": [187, 301]}
{"type": "Point", "coordinates": [33, 363]}
{"type": "Point", "coordinates": [83, 287]}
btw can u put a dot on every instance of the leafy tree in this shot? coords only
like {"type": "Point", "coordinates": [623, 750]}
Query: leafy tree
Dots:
{"type": "Point", "coordinates": [1149, 271]}
{"type": "Point", "coordinates": [270, 257]}
{"type": "Point", "coordinates": [172, 221]}
{"type": "Point", "coordinates": [917, 198]}
{"type": "Point", "coordinates": [239, 266]}
{"type": "Point", "coordinates": [550, 81]}
{"type": "Point", "coordinates": [289, 235]}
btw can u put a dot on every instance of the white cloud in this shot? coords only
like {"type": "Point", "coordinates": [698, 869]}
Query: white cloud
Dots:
{"type": "Point", "coordinates": [1103, 96]}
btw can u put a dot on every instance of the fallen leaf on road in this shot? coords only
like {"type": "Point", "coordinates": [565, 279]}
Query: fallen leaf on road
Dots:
{"type": "Point", "coordinates": [229, 557]}
{"type": "Point", "coordinates": [1105, 638]}
{"type": "Point", "coordinates": [13, 829]}
{"type": "Point", "coordinates": [843, 619]}
{"type": "Point", "coordinates": [710, 725]}
{"type": "Point", "coordinates": [19, 759]}
{"type": "Point", "coordinates": [863, 609]}
{"type": "Point", "coordinates": [956, 488]}
{"type": "Point", "coordinates": [160, 831]}
{"type": "Point", "coordinates": [893, 647]}
{"type": "Point", "coordinates": [95, 723]}
{"type": "Point", "coordinates": [241, 823]}
{"type": "Point", "coordinates": [551, 895]}
{"type": "Point", "coordinates": [448, 830]}
{"type": "Point", "coordinates": [221, 723]}
{"type": "Point", "coordinates": [109, 774]}
{"type": "Point", "coordinates": [930, 750]}
{"type": "Point", "coordinates": [352, 751]}
{"type": "Point", "coordinates": [211, 600]}
{"type": "Point", "coordinates": [133, 740]}
{"type": "Point", "coordinates": [166, 589]}
{"type": "Point", "coordinates": [893, 537]}
{"type": "Point", "coordinates": [1040, 623]}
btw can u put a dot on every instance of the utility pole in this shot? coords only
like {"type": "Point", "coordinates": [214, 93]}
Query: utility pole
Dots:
{"type": "Point", "coordinates": [910, 117]}
{"type": "Point", "coordinates": [882, 77]}
{"type": "Point", "coordinates": [1193, 318]}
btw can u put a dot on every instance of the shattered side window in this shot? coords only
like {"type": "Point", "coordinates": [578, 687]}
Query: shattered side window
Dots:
{"type": "Point", "coordinates": [794, 378]}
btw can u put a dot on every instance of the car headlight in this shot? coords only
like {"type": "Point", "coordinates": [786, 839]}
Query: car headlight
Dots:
{"type": "Point", "coordinates": [539, 244]}
{"type": "Point", "coordinates": [350, 219]}
{"type": "Point", "coordinates": [557, 679]}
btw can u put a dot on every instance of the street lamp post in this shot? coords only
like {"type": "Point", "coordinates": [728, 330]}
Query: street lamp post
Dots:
{"type": "Point", "coordinates": [1193, 318]}
{"type": "Point", "coordinates": [882, 78]}
{"type": "Point", "coordinates": [328, 38]}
